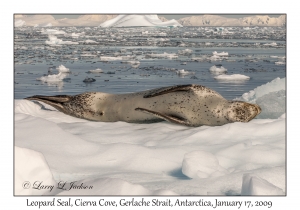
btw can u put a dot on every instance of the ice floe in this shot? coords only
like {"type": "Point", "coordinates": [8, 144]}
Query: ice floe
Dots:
{"type": "Point", "coordinates": [93, 153]}
{"type": "Point", "coordinates": [232, 77]}
{"type": "Point", "coordinates": [220, 54]}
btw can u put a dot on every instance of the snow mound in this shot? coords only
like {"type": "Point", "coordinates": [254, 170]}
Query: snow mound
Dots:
{"type": "Point", "coordinates": [30, 169]}
{"type": "Point", "coordinates": [139, 21]}
{"type": "Point", "coordinates": [254, 185]}
{"type": "Point", "coordinates": [233, 77]}
{"type": "Point", "coordinates": [271, 97]}
{"type": "Point", "coordinates": [201, 164]}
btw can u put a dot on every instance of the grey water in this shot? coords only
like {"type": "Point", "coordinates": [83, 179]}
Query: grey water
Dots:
{"type": "Point", "coordinates": [252, 52]}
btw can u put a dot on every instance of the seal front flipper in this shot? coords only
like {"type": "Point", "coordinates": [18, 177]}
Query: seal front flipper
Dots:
{"type": "Point", "coordinates": [169, 118]}
{"type": "Point", "coordinates": [166, 90]}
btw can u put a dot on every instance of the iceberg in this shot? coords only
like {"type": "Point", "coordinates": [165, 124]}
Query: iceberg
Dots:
{"type": "Point", "coordinates": [139, 21]}
{"type": "Point", "coordinates": [19, 23]}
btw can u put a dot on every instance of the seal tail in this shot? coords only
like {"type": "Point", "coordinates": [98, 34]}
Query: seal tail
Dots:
{"type": "Point", "coordinates": [55, 101]}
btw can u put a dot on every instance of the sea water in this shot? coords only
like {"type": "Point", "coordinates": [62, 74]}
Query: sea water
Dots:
{"type": "Point", "coordinates": [252, 53]}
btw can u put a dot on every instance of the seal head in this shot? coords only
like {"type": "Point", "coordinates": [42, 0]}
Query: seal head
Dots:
{"type": "Point", "coordinates": [240, 111]}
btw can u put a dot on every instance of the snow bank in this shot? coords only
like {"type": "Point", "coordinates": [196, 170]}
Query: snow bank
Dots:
{"type": "Point", "coordinates": [139, 21]}
{"type": "Point", "coordinates": [160, 158]}
{"type": "Point", "coordinates": [201, 164]}
{"type": "Point", "coordinates": [271, 97]}
{"type": "Point", "coordinates": [253, 185]}
{"type": "Point", "coordinates": [30, 169]}
{"type": "Point", "coordinates": [233, 77]}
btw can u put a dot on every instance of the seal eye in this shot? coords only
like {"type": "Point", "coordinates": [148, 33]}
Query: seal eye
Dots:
{"type": "Point", "coordinates": [101, 113]}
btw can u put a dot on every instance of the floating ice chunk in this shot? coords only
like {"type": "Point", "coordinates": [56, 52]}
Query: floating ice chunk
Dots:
{"type": "Point", "coordinates": [164, 55]}
{"type": "Point", "coordinates": [53, 78]}
{"type": "Point", "coordinates": [108, 58]}
{"type": "Point", "coordinates": [270, 44]}
{"type": "Point", "coordinates": [96, 71]}
{"type": "Point", "coordinates": [201, 164]}
{"type": "Point", "coordinates": [20, 23]}
{"type": "Point", "coordinates": [53, 40]}
{"type": "Point", "coordinates": [52, 31]}
{"type": "Point", "coordinates": [233, 77]}
{"type": "Point", "coordinates": [273, 56]}
{"type": "Point", "coordinates": [220, 54]}
{"type": "Point", "coordinates": [185, 52]}
{"type": "Point", "coordinates": [183, 72]}
{"type": "Point", "coordinates": [218, 70]}
{"type": "Point", "coordinates": [215, 58]}
{"type": "Point", "coordinates": [63, 69]}
{"type": "Point", "coordinates": [279, 63]}
{"type": "Point", "coordinates": [253, 185]}
{"type": "Point", "coordinates": [31, 168]}
{"type": "Point", "coordinates": [90, 42]}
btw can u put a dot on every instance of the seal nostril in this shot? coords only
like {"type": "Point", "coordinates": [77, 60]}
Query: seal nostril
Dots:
{"type": "Point", "coordinates": [101, 113]}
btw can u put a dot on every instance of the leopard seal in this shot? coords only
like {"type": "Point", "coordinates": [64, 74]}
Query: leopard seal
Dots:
{"type": "Point", "coordinates": [190, 105]}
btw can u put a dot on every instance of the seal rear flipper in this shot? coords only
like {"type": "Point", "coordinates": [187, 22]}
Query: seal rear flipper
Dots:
{"type": "Point", "coordinates": [55, 101]}
{"type": "Point", "coordinates": [166, 90]}
{"type": "Point", "coordinates": [169, 118]}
